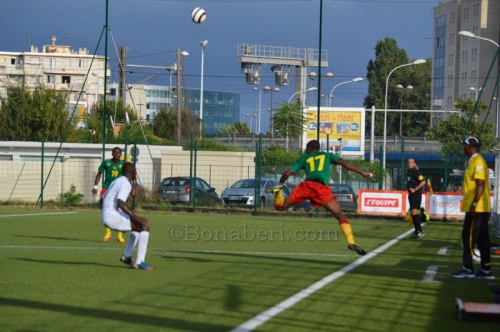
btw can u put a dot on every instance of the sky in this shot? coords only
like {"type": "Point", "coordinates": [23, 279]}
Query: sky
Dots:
{"type": "Point", "coordinates": [153, 30]}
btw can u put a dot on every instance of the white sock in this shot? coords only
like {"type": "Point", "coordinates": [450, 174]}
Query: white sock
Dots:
{"type": "Point", "coordinates": [132, 241]}
{"type": "Point", "coordinates": [142, 247]}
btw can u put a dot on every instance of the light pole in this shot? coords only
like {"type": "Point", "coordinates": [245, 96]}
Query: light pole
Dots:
{"type": "Point", "coordinates": [354, 80]}
{"type": "Point", "coordinates": [471, 35]}
{"type": "Point", "coordinates": [203, 44]}
{"type": "Point", "coordinates": [312, 77]}
{"type": "Point", "coordinates": [260, 106]}
{"type": "Point", "coordinates": [475, 91]}
{"type": "Point", "coordinates": [307, 90]}
{"type": "Point", "coordinates": [268, 89]}
{"type": "Point", "coordinates": [401, 89]}
{"type": "Point", "coordinates": [416, 62]}
{"type": "Point", "coordinates": [179, 94]}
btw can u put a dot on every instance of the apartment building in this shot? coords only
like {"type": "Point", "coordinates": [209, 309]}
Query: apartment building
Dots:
{"type": "Point", "coordinates": [58, 66]}
{"type": "Point", "coordinates": [462, 61]}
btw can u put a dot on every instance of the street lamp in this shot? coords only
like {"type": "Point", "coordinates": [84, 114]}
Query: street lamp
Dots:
{"type": "Point", "coordinates": [180, 55]}
{"type": "Point", "coordinates": [400, 88]}
{"type": "Point", "coordinates": [312, 77]}
{"type": "Point", "coordinates": [475, 91]}
{"type": "Point", "coordinates": [307, 90]}
{"type": "Point", "coordinates": [254, 115]}
{"type": "Point", "coordinates": [471, 35]}
{"type": "Point", "coordinates": [268, 89]}
{"type": "Point", "coordinates": [203, 44]}
{"type": "Point", "coordinates": [354, 80]}
{"type": "Point", "coordinates": [260, 106]}
{"type": "Point", "coordinates": [416, 62]}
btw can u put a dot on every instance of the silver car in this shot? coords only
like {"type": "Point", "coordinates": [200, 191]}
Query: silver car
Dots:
{"type": "Point", "coordinates": [242, 193]}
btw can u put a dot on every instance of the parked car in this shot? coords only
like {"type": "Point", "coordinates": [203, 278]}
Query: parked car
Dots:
{"type": "Point", "coordinates": [242, 193]}
{"type": "Point", "coordinates": [176, 190]}
{"type": "Point", "coordinates": [346, 197]}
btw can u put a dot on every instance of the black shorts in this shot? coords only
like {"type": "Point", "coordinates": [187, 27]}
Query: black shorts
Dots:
{"type": "Point", "coordinates": [415, 200]}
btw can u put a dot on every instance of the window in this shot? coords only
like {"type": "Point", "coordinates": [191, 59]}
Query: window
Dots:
{"type": "Point", "coordinates": [51, 78]}
{"type": "Point", "coordinates": [35, 79]}
{"type": "Point", "coordinates": [66, 79]}
{"type": "Point", "coordinates": [81, 63]}
{"type": "Point", "coordinates": [50, 64]}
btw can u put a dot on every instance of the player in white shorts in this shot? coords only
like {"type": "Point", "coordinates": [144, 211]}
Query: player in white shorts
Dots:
{"type": "Point", "coordinates": [119, 217]}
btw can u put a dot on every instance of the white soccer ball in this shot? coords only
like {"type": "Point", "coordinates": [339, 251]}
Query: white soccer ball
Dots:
{"type": "Point", "coordinates": [198, 15]}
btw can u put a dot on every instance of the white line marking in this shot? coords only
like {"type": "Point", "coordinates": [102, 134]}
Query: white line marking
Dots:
{"type": "Point", "coordinates": [35, 214]}
{"type": "Point", "coordinates": [264, 316]}
{"type": "Point", "coordinates": [430, 273]}
{"type": "Point", "coordinates": [443, 251]}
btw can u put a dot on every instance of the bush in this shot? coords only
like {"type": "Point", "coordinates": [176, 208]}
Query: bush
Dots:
{"type": "Point", "coordinates": [70, 197]}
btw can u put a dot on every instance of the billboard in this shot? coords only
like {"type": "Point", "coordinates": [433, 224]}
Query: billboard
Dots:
{"type": "Point", "coordinates": [341, 129]}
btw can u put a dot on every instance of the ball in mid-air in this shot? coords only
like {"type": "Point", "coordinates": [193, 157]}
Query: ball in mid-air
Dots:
{"type": "Point", "coordinates": [198, 15]}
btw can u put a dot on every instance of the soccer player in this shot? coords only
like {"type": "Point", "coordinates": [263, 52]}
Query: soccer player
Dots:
{"type": "Point", "coordinates": [112, 169]}
{"type": "Point", "coordinates": [476, 205]}
{"type": "Point", "coordinates": [118, 216]}
{"type": "Point", "coordinates": [415, 183]}
{"type": "Point", "coordinates": [317, 167]}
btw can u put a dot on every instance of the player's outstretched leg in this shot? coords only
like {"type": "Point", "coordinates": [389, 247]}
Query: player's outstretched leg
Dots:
{"type": "Point", "coordinates": [108, 235]}
{"type": "Point", "coordinates": [119, 238]}
{"type": "Point", "coordinates": [346, 228]}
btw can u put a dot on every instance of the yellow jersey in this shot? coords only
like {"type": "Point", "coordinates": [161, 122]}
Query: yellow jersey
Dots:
{"type": "Point", "coordinates": [477, 169]}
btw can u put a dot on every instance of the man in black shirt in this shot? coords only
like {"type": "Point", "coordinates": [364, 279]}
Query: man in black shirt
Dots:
{"type": "Point", "coordinates": [415, 183]}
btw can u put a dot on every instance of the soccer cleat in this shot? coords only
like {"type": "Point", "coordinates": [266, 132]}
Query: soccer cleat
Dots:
{"type": "Point", "coordinates": [463, 273]}
{"type": "Point", "coordinates": [417, 235]}
{"type": "Point", "coordinates": [278, 194]}
{"type": "Point", "coordinates": [482, 274]}
{"type": "Point", "coordinates": [107, 237]}
{"type": "Point", "coordinates": [127, 260]}
{"type": "Point", "coordinates": [122, 241]}
{"type": "Point", "coordinates": [141, 266]}
{"type": "Point", "coordinates": [357, 249]}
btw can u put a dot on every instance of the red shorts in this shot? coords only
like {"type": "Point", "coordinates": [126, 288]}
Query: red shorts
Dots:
{"type": "Point", "coordinates": [103, 191]}
{"type": "Point", "coordinates": [316, 192]}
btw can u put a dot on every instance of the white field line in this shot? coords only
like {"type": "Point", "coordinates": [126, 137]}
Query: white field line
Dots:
{"type": "Point", "coordinates": [35, 214]}
{"type": "Point", "coordinates": [268, 314]}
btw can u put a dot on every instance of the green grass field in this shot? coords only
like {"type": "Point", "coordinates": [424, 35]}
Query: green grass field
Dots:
{"type": "Point", "coordinates": [211, 275]}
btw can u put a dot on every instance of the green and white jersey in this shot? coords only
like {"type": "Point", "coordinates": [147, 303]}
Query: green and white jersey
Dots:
{"type": "Point", "coordinates": [316, 164]}
{"type": "Point", "coordinates": [111, 171]}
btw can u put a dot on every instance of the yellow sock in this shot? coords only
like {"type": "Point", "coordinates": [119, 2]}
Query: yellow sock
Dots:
{"type": "Point", "coordinates": [108, 231]}
{"type": "Point", "coordinates": [120, 235]}
{"type": "Point", "coordinates": [278, 197]}
{"type": "Point", "coordinates": [347, 230]}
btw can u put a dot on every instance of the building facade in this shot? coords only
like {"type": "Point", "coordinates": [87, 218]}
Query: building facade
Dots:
{"type": "Point", "coordinates": [462, 64]}
{"type": "Point", "coordinates": [219, 108]}
{"type": "Point", "coordinates": [57, 66]}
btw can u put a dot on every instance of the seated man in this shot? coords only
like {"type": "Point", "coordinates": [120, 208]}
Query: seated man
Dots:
{"type": "Point", "coordinates": [118, 216]}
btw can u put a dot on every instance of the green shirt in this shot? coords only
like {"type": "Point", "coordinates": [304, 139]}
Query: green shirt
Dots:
{"type": "Point", "coordinates": [316, 164]}
{"type": "Point", "coordinates": [111, 171]}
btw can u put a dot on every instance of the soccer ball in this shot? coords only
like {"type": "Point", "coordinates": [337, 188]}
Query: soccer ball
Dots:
{"type": "Point", "coordinates": [198, 15]}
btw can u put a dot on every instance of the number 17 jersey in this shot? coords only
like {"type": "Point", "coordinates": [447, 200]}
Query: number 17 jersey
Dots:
{"type": "Point", "coordinates": [316, 164]}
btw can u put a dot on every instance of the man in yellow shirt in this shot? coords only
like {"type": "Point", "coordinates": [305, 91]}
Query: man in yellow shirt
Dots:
{"type": "Point", "coordinates": [476, 205]}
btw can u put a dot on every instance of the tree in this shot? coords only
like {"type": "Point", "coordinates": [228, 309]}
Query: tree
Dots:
{"type": "Point", "coordinates": [27, 115]}
{"type": "Point", "coordinates": [459, 126]}
{"type": "Point", "coordinates": [165, 124]}
{"type": "Point", "coordinates": [387, 57]}
{"type": "Point", "coordinates": [289, 120]}
{"type": "Point", "coordinates": [238, 128]}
